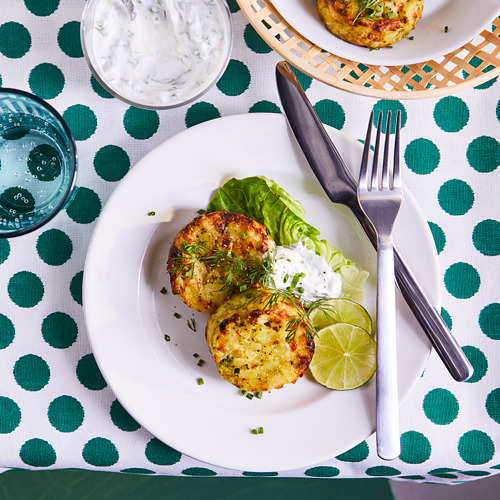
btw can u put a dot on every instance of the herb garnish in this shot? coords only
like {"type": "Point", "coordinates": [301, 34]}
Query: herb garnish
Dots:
{"type": "Point", "coordinates": [367, 9]}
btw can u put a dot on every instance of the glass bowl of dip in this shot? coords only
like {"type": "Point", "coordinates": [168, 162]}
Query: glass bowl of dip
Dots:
{"type": "Point", "coordinates": [168, 55]}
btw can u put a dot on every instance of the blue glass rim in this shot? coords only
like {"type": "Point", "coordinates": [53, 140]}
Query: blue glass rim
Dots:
{"type": "Point", "coordinates": [73, 168]}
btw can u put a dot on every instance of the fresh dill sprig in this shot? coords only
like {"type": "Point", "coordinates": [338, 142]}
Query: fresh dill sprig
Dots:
{"type": "Point", "coordinates": [367, 9]}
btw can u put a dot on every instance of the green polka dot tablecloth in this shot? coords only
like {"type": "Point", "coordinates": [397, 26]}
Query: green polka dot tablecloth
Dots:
{"type": "Point", "coordinates": [56, 410]}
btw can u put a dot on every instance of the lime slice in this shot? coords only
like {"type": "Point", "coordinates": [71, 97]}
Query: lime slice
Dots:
{"type": "Point", "coordinates": [344, 357]}
{"type": "Point", "coordinates": [341, 311]}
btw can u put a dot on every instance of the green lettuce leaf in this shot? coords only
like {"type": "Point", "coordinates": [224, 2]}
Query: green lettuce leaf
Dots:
{"type": "Point", "coordinates": [263, 200]}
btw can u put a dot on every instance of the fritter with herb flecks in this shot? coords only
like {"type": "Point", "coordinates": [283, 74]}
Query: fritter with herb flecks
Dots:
{"type": "Point", "coordinates": [259, 341]}
{"type": "Point", "coordinates": [370, 23]}
{"type": "Point", "coordinates": [206, 254]}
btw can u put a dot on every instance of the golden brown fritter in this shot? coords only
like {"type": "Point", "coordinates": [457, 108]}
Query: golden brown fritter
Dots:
{"type": "Point", "coordinates": [248, 342]}
{"type": "Point", "coordinates": [198, 282]}
{"type": "Point", "coordinates": [370, 23]}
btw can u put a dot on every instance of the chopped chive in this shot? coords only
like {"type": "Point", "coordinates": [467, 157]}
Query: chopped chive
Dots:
{"type": "Point", "coordinates": [200, 363]}
{"type": "Point", "coordinates": [249, 395]}
{"type": "Point", "coordinates": [243, 392]}
{"type": "Point", "coordinates": [285, 279]}
{"type": "Point", "coordinates": [191, 324]}
{"type": "Point", "coordinates": [167, 337]}
{"type": "Point", "coordinates": [446, 29]}
{"type": "Point", "coordinates": [260, 430]}
{"type": "Point", "coordinates": [258, 395]}
{"type": "Point", "coordinates": [243, 288]}
{"type": "Point", "coordinates": [151, 213]}
{"type": "Point", "coordinates": [236, 371]}
{"type": "Point", "coordinates": [244, 235]}
{"type": "Point", "coordinates": [300, 289]}
{"type": "Point", "coordinates": [163, 291]}
{"type": "Point", "coordinates": [196, 355]}
{"type": "Point", "coordinates": [411, 38]}
{"type": "Point", "coordinates": [200, 381]}
{"type": "Point", "coordinates": [177, 315]}
{"type": "Point", "coordinates": [255, 431]}
{"type": "Point", "coordinates": [201, 211]}
{"type": "Point", "coordinates": [295, 280]}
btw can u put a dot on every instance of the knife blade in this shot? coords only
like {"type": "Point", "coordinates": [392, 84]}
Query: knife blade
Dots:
{"type": "Point", "coordinates": [340, 186]}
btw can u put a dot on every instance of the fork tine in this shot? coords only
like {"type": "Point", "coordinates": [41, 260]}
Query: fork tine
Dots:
{"type": "Point", "coordinates": [396, 183]}
{"type": "Point", "coordinates": [376, 178]}
{"type": "Point", "coordinates": [363, 177]}
{"type": "Point", "coordinates": [386, 174]}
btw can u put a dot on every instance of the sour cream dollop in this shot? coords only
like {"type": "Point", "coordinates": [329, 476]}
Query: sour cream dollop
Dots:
{"type": "Point", "coordinates": [171, 52]}
{"type": "Point", "coordinates": [308, 274]}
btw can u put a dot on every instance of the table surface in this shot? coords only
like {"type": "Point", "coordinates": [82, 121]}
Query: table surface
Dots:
{"type": "Point", "coordinates": [56, 410]}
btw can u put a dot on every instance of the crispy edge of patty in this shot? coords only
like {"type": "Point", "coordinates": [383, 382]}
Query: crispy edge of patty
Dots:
{"type": "Point", "coordinates": [248, 344]}
{"type": "Point", "coordinates": [339, 18]}
{"type": "Point", "coordinates": [243, 236]}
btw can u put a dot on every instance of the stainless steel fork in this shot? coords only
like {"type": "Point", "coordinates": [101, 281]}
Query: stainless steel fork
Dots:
{"type": "Point", "coordinates": [379, 194]}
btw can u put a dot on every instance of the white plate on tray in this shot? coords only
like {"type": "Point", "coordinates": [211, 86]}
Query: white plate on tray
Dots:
{"type": "Point", "coordinates": [127, 316]}
{"type": "Point", "coordinates": [464, 18]}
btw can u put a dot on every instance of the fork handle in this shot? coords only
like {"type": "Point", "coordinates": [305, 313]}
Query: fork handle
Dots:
{"type": "Point", "coordinates": [445, 344]}
{"type": "Point", "coordinates": [388, 440]}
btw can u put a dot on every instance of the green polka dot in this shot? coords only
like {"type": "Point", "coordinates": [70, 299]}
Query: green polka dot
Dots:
{"type": "Point", "coordinates": [88, 373]}
{"type": "Point", "coordinates": [37, 453]}
{"type": "Point", "coordinates": [68, 39]}
{"type": "Point", "coordinates": [489, 321]}
{"type": "Point", "coordinates": [260, 474]}
{"type": "Point", "coordinates": [422, 156]}
{"type": "Point", "coordinates": [475, 473]}
{"type": "Point", "coordinates": [100, 452]}
{"type": "Point", "coordinates": [264, 107]}
{"type": "Point", "coordinates": [44, 162]}
{"type": "Point", "coordinates": [475, 62]}
{"type": "Point", "coordinates": [46, 81]}
{"type": "Point", "coordinates": [322, 471]}
{"type": "Point", "coordinates": [99, 89]}
{"type": "Point", "coordinates": [159, 453]}
{"type": "Point", "coordinates": [413, 478]}
{"type": "Point", "coordinates": [201, 112]}
{"type": "Point", "coordinates": [65, 414]}
{"type": "Point", "coordinates": [456, 197]}
{"type": "Point", "coordinates": [111, 163]}
{"type": "Point", "coordinates": [4, 250]}
{"type": "Point", "coordinates": [235, 80]}
{"type": "Point", "coordinates": [31, 372]}
{"type": "Point", "coordinates": [54, 247]}
{"type": "Point", "coordinates": [304, 80]}
{"type": "Point", "coordinates": [76, 286]}
{"type": "Point", "coordinates": [233, 5]}
{"type": "Point", "coordinates": [476, 447]}
{"type": "Point", "coordinates": [440, 406]}
{"type": "Point", "coordinates": [356, 454]}
{"type": "Point", "coordinates": [451, 114]}
{"type": "Point", "coordinates": [486, 237]}
{"type": "Point", "coordinates": [198, 471]}
{"type": "Point", "coordinates": [7, 331]}
{"type": "Point", "coordinates": [85, 206]}
{"type": "Point", "coordinates": [330, 113]}
{"type": "Point", "coordinates": [462, 280]}
{"type": "Point", "coordinates": [382, 470]}
{"type": "Point", "coordinates": [81, 120]}
{"type": "Point", "coordinates": [478, 361]}
{"type": "Point", "coordinates": [18, 199]}
{"type": "Point", "coordinates": [15, 40]}
{"type": "Point", "coordinates": [121, 418]}
{"type": "Point", "coordinates": [137, 470]}
{"type": "Point", "coordinates": [438, 235]}
{"type": "Point", "coordinates": [447, 318]}
{"type": "Point", "coordinates": [498, 111]}
{"type": "Point", "coordinates": [42, 8]}
{"type": "Point", "coordinates": [415, 448]}
{"type": "Point", "coordinates": [25, 289]}
{"type": "Point", "coordinates": [59, 330]}
{"type": "Point", "coordinates": [393, 107]}
{"type": "Point", "coordinates": [483, 154]}
{"type": "Point", "coordinates": [141, 123]}
{"type": "Point", "coordinates": [443, 472]}
{"type": "Point", "coordinates": [11, 415]}
{"type": "Point", "coordinates": [254, 42]}
{"type": "Point", "coordinates": [493, 405]}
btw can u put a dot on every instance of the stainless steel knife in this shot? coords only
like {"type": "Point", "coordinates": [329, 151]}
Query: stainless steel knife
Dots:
{"type": "Point", "coordinates": [340, 186]}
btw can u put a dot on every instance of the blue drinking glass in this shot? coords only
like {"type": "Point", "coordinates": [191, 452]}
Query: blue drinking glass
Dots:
{"type": "Point", "coordinates": [38, 163]}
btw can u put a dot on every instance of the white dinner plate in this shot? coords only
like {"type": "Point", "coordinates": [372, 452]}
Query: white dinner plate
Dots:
{"type": "Point", "coordinates": [464, 19]}
{"type": "Point", "coordinates": [127, 316]}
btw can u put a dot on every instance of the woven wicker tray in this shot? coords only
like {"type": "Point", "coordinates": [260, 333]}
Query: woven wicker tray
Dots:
{"type": "Point", "coordinates": [469, 66]}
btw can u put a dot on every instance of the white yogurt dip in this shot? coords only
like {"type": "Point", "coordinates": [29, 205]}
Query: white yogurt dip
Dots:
{"type": "Point", "coordinates": [307, 274]}
{"type": "Point", "coordinates": [169, 54]}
